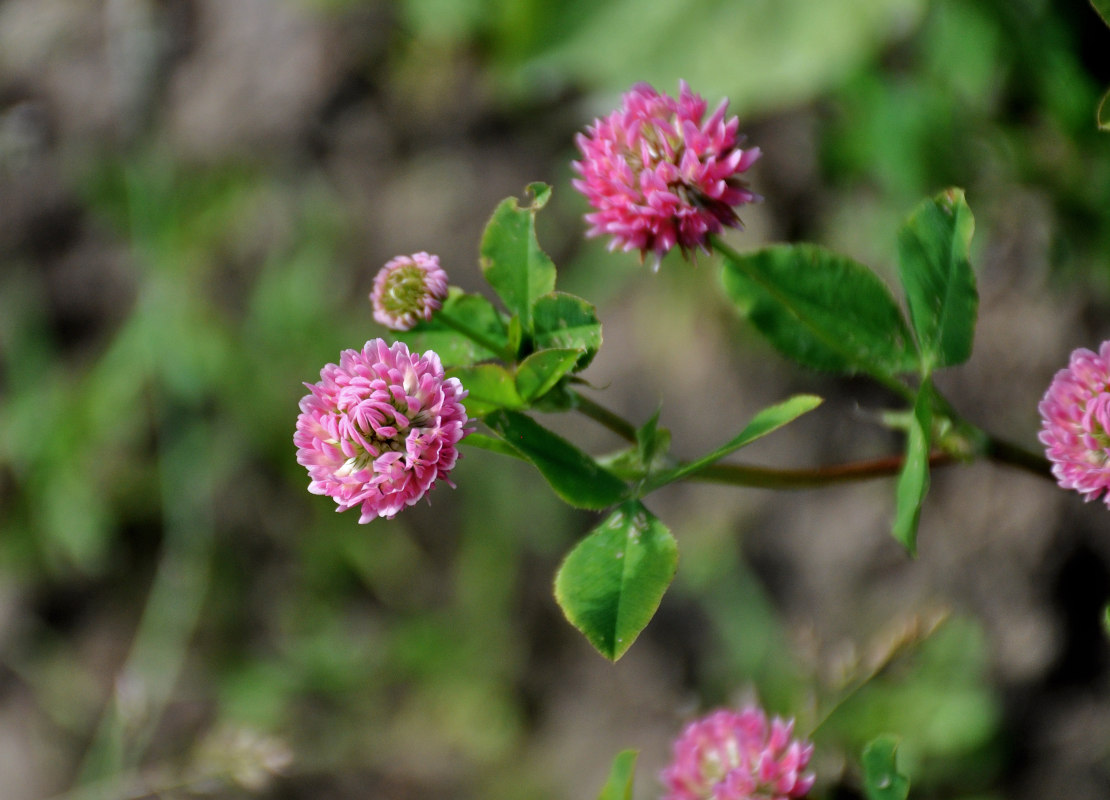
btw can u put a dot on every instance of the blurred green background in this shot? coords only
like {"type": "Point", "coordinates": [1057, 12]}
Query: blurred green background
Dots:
{"type": "Point", "coordinates": [194, 198]}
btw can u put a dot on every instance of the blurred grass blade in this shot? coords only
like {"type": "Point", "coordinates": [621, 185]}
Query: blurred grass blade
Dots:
{"type": "Point", "coordinates": [934, 264]}
{"type": "Point", "coordinates": [611, 583]}
{"type": "Point", "coordinates": [881, 780]}
{"type": "Point", "coordinates": [619, 785]}
{"type": "Point", "coordinates": [1103, 9]}
{"type": "Point", "coordinates": [186, 461]}
{"type": "Point", "coordinates": [1103, 114]}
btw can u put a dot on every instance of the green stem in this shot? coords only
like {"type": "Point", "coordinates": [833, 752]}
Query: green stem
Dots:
{"type": "Point", "coordinates": [767, 478]}
{"type": "Point", "coordinates": [995, 449]}
{"type": "Point", "coordinates": [603, 416]}
{"type": "Point", "coordinates": [1016, 456]}
{"type": "Point", "coordinates": [478, 338]}
{"type": "Point", "coordinates": [992, 447]}
{"type": "Point", "coordinates": [813, 478]}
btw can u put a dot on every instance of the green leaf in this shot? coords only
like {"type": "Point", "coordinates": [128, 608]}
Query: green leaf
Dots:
{"type": "Point", "coordinates": [1103, 9]}
{"type": "Point", "coordinates": [556, 400]}
{"type": "Point", "coordinates": [1102, 116]}
{"type": "Point", "coordinates": [610, 584]}
{"type": "Point", "coordinates": [913, 481]}
{"type": "Point", "coordinates": [539, 373]}
{"type": "Point", "coordinates": [619, 785]}
{"type": "Point", "coordinates": [489, 387]}
{"type": "Point", "coordinates": [493, 444]}
{"type": "Point", "coordinates": [455, 332]}
{"type": "Point", "coordinates": [933, 249]}
{"type": "Point", "coordinates": [564, 320]}
{"type": "Point", "coordinates": [881, 779]}
{"type": "Point", "coordinates": [766, 421]}
{"type": "Point", "coordinates": [511, 258]}
{"type": "Point", "coordinates": [821, 309]}
{"type": "Point", "coordinates": [516, 336]}
{"type": "Point", "coordinates": [573, 475]}
{"type": "Point", "coordinates": [540, 192]}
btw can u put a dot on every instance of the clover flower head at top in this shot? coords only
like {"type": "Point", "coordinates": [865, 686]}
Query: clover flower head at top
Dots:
{"type": "Point", "coordinates": [659, 174]}
{"type": "Point", "coordinates": [738, 755]}
{"type": "Point", "coordinates": [408, 289]}
{"type": "Point", "coordinates": [1076, 423]}
{"type": "Point", "coordinates": [380, 428]}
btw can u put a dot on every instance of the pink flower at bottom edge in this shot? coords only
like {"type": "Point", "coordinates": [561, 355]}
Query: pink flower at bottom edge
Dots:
{"type": "Point", "coordinates": [738, 755]}
{"type": "Point", "coordinates": [380, 428]}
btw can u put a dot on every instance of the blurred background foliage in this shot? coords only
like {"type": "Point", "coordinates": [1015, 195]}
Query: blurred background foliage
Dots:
{"type": "Point", "coordinates": [194, 197]}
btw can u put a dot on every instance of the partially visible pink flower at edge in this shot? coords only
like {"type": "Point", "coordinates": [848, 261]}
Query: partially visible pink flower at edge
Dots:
{"type": "Point", "coordinates": [380, 428]}
{"type": "Point", "coordinates": [657, 175]}
{"type": "Point", "coordinates": [1076, 423]}
{"type": "Point", "coordinates": [408, 289]}
{"type": "Point", "coordinates": [738, 755]}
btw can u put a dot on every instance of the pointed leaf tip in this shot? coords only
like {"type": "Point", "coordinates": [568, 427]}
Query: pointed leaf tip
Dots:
{"type": "Point", "coordinates": [619, 784]}
{"type": "Point", "coordinates": [540, 193]}
{"type": "Point", "coordinates": [511, 258]}
{"type": "Point", "coordinates": [934, 246]}
{"type": "Point", "coordinates": [611, 583]}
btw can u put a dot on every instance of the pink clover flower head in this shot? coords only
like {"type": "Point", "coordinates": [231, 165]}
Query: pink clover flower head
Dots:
{"type": "Point", "coordinates": [1076, 423]}
{"type": "Point", "coordinates": [408, 289]}
{"type": "Point", "coordinates": [738, 755]}
{"type": "Point", "coordinates": [380, 428]}
{"type": "Point", "coordinates": [659, 174]}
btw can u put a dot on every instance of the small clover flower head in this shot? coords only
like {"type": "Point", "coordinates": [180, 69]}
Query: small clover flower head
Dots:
{"type": "Point", "coordinates": [380, 428]}
{"type": "Point", "coordinates": [658, 174]}
{"type": "Point", "coordinates": [738, 755]}
{"type": "Point", "coordinates": [408, 289]}
{"type": "Point", "coordinates": [1076, 423]}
